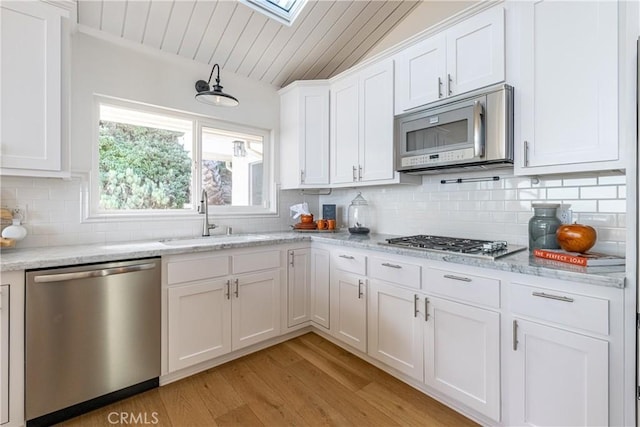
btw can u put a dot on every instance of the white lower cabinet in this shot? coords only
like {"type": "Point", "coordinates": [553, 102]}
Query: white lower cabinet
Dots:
{"type": "Point", "coordinates": [558, 377]}
{"type": "Point", "coordinates": [320, 287]}
{"type": "Point", "coordinates": [349, 308]}
{"type": "Point", "coordinates": [462, 354]}
{"type": "Point", "coordinates": [4, 353]}
{"type": "Point", "coordinates": [298, 286]}
{"type": "Point", "coordinates": [199, 323]}
{"type": "Point", "coordinates": [396, 328]}
{"type": "Point", "coordinates": [218, 311]}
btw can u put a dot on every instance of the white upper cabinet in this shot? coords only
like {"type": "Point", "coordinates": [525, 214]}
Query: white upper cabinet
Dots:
{"type": "Point", "coordinates": [467, 56]}
{"type": "Point", "coordinates": [569, 88]}
{"type": "Point", "coordinates": [361, 128]}
{"type": "Point", "coordinates": [304, 135]}
{"type": "Point", "coordinates": [32, 44]}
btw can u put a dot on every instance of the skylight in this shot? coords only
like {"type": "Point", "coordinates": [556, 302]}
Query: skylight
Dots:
{"type": "Point", "coordinates": [283, 11]}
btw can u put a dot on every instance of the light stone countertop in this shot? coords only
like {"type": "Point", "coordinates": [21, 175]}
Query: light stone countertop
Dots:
{"type": "Point", "coordinates": [521, 262]}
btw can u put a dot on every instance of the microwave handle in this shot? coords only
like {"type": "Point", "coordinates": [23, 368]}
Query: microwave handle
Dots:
{"type": "Point", "coordinates": [478, 129]}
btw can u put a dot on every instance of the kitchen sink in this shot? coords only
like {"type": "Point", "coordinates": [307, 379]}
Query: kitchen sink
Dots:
{"type": "Point", "coordinates": [213, 240]}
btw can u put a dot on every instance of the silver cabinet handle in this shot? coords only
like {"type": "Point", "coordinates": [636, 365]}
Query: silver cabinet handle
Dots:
{"type": "Point", "coordinates": [237, 292]}
{"type": "Point", "coordinates": [360, 288]}
{"type": "Point", "coordinates": [515, 335]}
{"type": "Point", "coordinates": [550, 296]}
{"type": "Point", "coordinates": [386, 264]}
{"type": "Point", "coordinates": [301, 176]}
{"type": "Point", "coordinates": [416, 298]}
{"type": "Point", "coordinates": [526, 154]}
{"type": "Point", "coordinates": [460, 278]}
{"type": "Point", "coordinates": [355, 178]}
{"type": "Point", "coordinates": [92, 273]}
{"type": "Point", "coordinates": [359, 173]}
{"type": "Point", "coordinates": [478, 129]}
{"type": "Point", "coordinates": [426, 309]}
{"type": "Point", "coordinates": [292, 256]}
{"type": "Point", "coordinates": [449, 91]}
{"type": "Point", "coordinates": [228, 292]}
{"type": "Point", "coordinates": [439, 87]}
{"type": "Point", "coordinates": [346, 256]}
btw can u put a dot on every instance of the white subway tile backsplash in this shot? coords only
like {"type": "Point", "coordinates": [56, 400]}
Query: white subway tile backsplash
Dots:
{"type": "Point", "coordinates": [600, 192]}
{"type": "Point", "coordinates": [563, 193]}
{"type": "Point", "coordinates": [486, 210]}
{"type": "Point", "coordinates": [612, 206]}
{"type": "Point", "coordinates": [612, 179]}
{"type": "Point", "coordinates": [574, 182]}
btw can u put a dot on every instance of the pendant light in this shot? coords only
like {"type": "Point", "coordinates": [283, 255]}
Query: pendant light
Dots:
{"type": "Point", "coordinates": [214, 96]}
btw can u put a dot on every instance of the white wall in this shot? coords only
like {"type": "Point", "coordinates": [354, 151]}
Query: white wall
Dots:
{"type": "Point", "coordinates": [54, 206]}
{"type": "Point", "coordinates": [496, 210]}
{"type": "Point", "coordinates": [425, 15]}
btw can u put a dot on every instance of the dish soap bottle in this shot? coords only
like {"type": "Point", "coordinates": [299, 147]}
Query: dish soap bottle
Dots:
{"type": "Point", "coordinates": [359, 216]}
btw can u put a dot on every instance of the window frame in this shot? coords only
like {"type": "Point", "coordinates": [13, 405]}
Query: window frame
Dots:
{"type": "Point", "coordinates": [267, 209]}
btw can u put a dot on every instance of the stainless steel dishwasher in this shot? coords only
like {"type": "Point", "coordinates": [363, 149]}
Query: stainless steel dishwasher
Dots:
{"type": "Point", "coordinates": [92, 337]}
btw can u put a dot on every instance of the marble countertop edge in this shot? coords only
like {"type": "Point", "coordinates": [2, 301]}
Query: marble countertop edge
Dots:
{"type": "Point", "coordinates": [521, 262]}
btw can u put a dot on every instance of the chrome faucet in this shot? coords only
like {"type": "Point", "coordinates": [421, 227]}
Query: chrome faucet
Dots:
{"type": "Point", "coordinates": [203, 209]}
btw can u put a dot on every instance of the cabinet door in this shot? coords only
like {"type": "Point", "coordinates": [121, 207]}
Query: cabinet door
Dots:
{"type": "Point", "coordinates": [420, 74]}
{"type": "Point", "coordinates": [344, 130]}
{"type": "Point", "coordinates": [4, 353]}
{"type": "Point", "coordinates": [476, 52]}
{"type": "Point", "coordinates": [349, 309]}
{"type": "Point", "coordinates": [298, 286]}
{"type": "Point", "coordinates": [30, 46]}
{"type": "Point", "coordinates": [376, 123]}
{"type": "Point", "coordinates": [256, 308]}
{"type": "Point", "coordinates": [314, 136]}
{"type": "Point", "coordinates": [558, 377]}
{"type": "Point", "coordinates": [199, 317]}
{"type": "Point", "coordinates": [462, 354]}
{"type": "Point", "coordinates": [569, 88]}
{"type": "Point", "coordinates": [396, 328]}
{"type": "Point", "coordinates": [320, 287]}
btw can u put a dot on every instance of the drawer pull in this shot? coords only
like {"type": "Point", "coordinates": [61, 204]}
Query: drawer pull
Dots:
{"type": "Point", "coordinates": [346, 256]}
{"type": "Point", "coordinates": [386, 264]}
{"type": "Point", "coordinates": [460, 278]}
{"type": "Point", "coordinates": [556, 297]}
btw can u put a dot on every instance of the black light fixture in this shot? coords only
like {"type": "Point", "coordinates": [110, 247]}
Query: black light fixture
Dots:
{"type": "Point", "coordinates": [214, 96]}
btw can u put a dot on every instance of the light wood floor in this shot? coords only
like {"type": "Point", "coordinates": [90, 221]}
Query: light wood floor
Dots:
{"type": "Point", "coordinates": [307, 381]}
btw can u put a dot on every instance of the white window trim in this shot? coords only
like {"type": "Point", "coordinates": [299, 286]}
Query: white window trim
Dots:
{"type": "Point", "coordinates": [276, 13]}
{"type": "Point", "coordinates": [269, 208]}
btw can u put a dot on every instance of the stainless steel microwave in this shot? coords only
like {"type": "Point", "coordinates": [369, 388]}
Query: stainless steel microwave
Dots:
{"type": "Point", "coordinates": [474, 130]}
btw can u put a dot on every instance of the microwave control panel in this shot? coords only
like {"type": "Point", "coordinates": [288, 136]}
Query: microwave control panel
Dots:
{"type": "Point", "coordinates": [454, 156]}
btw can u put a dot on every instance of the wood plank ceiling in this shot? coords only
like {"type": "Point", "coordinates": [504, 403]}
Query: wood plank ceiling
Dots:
{"type": "Point", "coordinates": [327, 38]}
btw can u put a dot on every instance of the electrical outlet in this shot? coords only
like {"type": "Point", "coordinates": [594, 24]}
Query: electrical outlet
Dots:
{"type": "Point", "coordinates": [565, 215]}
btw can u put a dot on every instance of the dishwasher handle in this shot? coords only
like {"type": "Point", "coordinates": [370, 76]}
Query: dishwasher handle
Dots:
{"type": "Point", "coordinates": [48, 278]}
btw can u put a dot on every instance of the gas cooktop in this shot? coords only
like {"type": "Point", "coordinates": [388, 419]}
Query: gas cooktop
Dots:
{"type": "Point", "coordinates": [477, 248]}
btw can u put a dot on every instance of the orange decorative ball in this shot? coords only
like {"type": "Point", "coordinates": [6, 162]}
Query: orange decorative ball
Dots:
{"type": "Point", "coordinates": [576, 237]}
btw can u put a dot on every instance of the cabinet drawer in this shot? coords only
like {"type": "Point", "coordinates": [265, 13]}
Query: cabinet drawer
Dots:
{"type": "Point", "coordinates": [188, 270]}
{"type": "Point", "coordinates": [572, 310]}
{"type": "Point", "coordinates": [347, 261]}
{"type": "Point", "coordinates": [463, 286]}
{"type": "Point", "coordinates": [255, 261]}
{"type": "Point", "coordinates": [396, 272]}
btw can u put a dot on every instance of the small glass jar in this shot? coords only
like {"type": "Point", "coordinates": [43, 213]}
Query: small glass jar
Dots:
{"type": "Point", "coordinates": [359, 216]}
{"type": "Point", "coordinates": [543, 226]}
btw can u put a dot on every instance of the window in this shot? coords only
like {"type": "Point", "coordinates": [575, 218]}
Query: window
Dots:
{"type": "Point", "coordinates": [157, 161]}
{"type": "Point", "coordinates": [283, 11]}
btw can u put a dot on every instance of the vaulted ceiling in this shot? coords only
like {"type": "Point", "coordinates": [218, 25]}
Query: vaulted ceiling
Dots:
{"type": "Point", "coordinates": [328, 37]}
